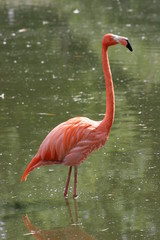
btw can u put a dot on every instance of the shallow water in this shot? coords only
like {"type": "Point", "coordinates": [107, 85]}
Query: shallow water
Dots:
{"type": "Point", "coordinates": [50, 70]}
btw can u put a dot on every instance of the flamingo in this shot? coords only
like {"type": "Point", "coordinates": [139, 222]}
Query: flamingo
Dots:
{"type": "Point", "coordinates": [72, 141]}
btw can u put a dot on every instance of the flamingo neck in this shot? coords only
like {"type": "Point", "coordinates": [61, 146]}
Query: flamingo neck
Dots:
{"type": "Point", "coordinates": [110, 100]}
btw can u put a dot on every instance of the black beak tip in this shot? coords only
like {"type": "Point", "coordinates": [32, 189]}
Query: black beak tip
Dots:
{"type": "Point", "coordinates": [129, 46]}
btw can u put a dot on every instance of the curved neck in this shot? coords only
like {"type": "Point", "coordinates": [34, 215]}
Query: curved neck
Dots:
{"type": "Point", "coordinates": [110, 101]}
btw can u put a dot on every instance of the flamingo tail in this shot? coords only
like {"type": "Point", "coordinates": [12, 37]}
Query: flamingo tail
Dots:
{"type": "Point", "coordinates": [33, 164]}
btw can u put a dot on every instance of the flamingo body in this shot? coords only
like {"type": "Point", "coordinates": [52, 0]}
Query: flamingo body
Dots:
{"type": "Point", "coordinates": [72, 141]}
{"type": "Point", "coordinates": [69, 143]}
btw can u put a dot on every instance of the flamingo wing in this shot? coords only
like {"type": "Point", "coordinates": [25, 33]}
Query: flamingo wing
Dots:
{"type": "Point", "coordinates": [67, 144]}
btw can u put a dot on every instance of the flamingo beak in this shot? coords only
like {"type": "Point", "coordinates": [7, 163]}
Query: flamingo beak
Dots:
{"type": "Point", "coordinates": [129, 46]}
{"type": "Point", "coordinates": [123, 41]}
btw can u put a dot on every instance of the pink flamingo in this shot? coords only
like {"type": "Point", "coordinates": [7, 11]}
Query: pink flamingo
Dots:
{"type": "Point", "coordinates": [72, 141]}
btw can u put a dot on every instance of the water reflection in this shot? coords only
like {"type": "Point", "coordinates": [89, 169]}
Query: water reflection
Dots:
{"type": "Point", "coordinates": [72, 232]}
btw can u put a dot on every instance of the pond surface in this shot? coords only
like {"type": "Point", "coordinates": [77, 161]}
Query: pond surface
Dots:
{"type": "Point", "coordinates": [50, 71]}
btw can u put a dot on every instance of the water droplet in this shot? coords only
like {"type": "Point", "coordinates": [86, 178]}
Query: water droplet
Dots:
{"type": "Point", "coordinates": [51, 170]}
{"type": "Point", "coordinates": [22, 30]}
{"type": "Point", "coordinates": [130, 10]}
{"type": "Point", "coordinates": [53, 76]}
{"type": "Point", "coordinates": [128, 25]}
{"type": "Point", "coordinates": [76, 11]}
{"type": "Point", "coordinates": [2, 96]}
{"type": "Point", "coordinates": [45, 22]}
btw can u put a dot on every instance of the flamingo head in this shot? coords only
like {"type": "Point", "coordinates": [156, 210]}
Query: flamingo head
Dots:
{"type": "Point", "coordinates": [111, 39]}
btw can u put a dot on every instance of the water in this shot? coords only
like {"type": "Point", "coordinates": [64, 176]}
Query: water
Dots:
{"type": "Point", "coordinates": [50, 70]}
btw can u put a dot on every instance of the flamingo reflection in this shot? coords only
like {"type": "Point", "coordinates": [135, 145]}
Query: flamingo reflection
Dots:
{"type": "Point", "coordinates": [72, 232]}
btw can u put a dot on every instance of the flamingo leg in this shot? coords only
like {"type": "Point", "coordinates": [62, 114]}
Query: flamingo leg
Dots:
{"type": "Point", "coordinates": [75, 183]}
{"type": "Point", "coordinates": [67, 183]}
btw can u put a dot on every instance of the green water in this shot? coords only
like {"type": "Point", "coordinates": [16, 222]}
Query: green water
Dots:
{"type": "Point", "coordinates": [50, 71]}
